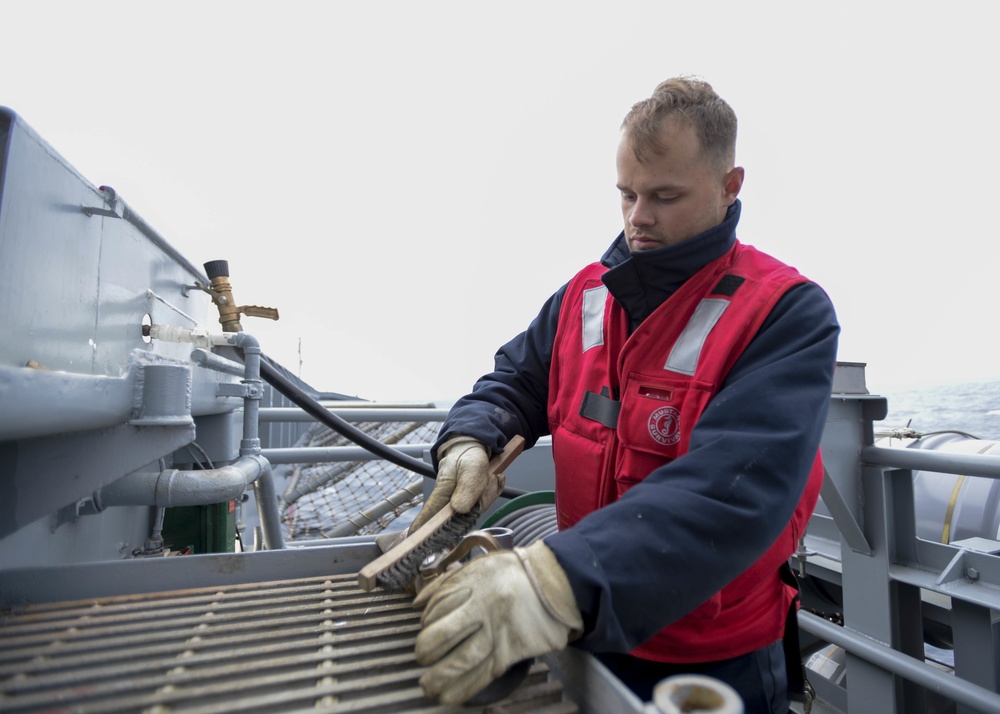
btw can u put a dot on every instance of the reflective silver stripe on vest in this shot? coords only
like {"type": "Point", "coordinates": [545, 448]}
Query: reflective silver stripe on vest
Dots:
{"type": "Point", "coordinates": [594, 300]}
{"type": "Point", "coordinates": [683, 357]}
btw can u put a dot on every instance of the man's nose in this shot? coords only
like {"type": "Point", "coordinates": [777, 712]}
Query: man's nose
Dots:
{"type": "Point", "coordinates": [641, 214]}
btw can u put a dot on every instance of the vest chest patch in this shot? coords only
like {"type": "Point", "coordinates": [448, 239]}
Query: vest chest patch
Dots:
{"type": "Point", "coordinates": [665, 426]}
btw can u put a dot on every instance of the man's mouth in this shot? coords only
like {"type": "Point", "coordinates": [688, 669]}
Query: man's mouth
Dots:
{"type": "Point", "coordinates": [641, 242]}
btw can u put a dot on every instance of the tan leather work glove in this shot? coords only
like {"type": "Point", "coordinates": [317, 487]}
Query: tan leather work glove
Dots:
{"type": "Point", "coordinates": [463, 479]}
{"type": "Point", "coordinates": [494, 611]}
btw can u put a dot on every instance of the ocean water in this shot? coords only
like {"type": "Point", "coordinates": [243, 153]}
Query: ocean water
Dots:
{"type": "Point", "coordinates": [971, 407]}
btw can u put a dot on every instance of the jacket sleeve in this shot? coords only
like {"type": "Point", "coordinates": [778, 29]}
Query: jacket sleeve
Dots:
{"type": "Point", "coordinates": [695, 524]}
{"type": "Point", "coordinates": [512, 399]}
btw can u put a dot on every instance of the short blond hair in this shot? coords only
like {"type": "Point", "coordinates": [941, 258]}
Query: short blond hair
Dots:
{"type": "Point", "coordinates": [695, 101]}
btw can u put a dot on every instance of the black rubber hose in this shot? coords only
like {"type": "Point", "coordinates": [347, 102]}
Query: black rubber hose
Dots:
{"type": "Point", "coordinates": [316, 410]}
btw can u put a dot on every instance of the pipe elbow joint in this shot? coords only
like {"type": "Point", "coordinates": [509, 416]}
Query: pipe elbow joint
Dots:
{"type": "Point", "coordinates": [193, 488]}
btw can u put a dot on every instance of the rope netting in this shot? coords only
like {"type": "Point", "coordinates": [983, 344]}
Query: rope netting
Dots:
{"type": "Point", "coordinates": [338, 499]}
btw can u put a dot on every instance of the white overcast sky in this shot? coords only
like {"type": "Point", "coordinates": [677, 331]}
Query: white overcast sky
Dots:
{"type": "Point", "coordinates": [407, 181]}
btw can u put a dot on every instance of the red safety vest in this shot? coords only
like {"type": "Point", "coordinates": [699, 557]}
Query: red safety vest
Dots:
{"type": "Point", "coordinates": [622, 405]}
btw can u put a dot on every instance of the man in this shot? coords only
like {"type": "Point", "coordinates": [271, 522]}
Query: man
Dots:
{"type": "Point", "coordinates": [685, 380]}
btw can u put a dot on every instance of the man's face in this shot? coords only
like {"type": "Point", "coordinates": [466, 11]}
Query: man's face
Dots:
{"type": "Point", "coordinates": [675, 195]}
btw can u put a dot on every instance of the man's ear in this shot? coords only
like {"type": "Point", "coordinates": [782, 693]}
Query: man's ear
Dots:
{"type": "Point", "coordinates": [733, 182]}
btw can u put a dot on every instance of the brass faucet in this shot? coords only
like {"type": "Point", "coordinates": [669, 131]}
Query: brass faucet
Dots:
{"type": "Point", "coordinates": [222, 295]}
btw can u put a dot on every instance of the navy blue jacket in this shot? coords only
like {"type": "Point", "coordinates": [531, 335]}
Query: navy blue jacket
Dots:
{"type": "Point", "coordinates": [633, 571]}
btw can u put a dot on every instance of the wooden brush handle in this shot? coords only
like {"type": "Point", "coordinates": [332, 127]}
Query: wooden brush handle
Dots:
{"type": "Point", "coordinates": [368, 575]}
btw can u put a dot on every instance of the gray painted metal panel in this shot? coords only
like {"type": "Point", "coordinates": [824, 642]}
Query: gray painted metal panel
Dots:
{"type": "Point", "coordinates": [76, 285]}
{"type": "Point", "coordinates": [80, 271]}
{"type": "Point", "coordinates": [123, 577]}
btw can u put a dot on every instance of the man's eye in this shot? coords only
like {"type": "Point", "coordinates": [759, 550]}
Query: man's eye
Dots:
{"type": "Point", "coordinates": [666, 199]}
{"type": "Point", "coordinates": [628, 196]}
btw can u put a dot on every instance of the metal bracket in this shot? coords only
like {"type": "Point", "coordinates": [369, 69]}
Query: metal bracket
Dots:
{"type": "Point", "coordinates": [116, 209]}
{"type": "Point", "coordinates": [243, 390]}
{"type": "Point", "coordinates": [961, 567]}
{"type": "Point", "coordinates": [843, 517]}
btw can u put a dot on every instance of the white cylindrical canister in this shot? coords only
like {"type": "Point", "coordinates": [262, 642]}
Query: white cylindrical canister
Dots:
{"type": "Point", "coordinates": [687, 693]}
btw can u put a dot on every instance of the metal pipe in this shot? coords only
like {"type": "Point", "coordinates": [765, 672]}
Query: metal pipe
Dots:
{"type": "Point", "coordinates": [317, 478]}
{"type": "Point", "coordinates": [914, 670]}
{"type": "Point", "coordinates": [291, 414]}
{"type": "Point", "coordinates": [368, 404]}
{"type": "Point", "coordinates": [210, 360]}
{"type": "Point", "coordinates": [325, 454]}
{"type": "Point", "coordinates": [263, 488]}
{"type": "Point", "coordinates": [334, 422]}
{"type": "Point", "coordinates": [158, 522]}
{"type": "Point", "coordinates": [940, 462]}
{"type": "Point", "coordinates": [250, 452]}
{"type": "Point", "coordinates": [255, 390]}
{"type": "Point", "coordinates": [174, 487]}
{"type": "Point", "coordinates": [367, 517]}
{"type": "Point", "coordinates": [267, 508]}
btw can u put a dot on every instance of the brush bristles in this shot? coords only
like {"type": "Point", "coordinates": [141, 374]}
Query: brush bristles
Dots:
{"type": "Point", "coordinates": [405, 571]}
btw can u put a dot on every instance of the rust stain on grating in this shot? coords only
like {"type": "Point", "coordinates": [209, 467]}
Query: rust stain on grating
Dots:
{"type": "Point", "coordinates": [313, 644]}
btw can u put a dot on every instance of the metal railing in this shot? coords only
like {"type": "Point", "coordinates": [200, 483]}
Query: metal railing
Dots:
{"type": "Point", "coordinates": [899, 583]}
{"type": "Point", "coordinates": [366, 497]}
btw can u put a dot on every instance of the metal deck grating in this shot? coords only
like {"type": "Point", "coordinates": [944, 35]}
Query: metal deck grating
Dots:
{"type": "Point", "coordinates": [314, 644]}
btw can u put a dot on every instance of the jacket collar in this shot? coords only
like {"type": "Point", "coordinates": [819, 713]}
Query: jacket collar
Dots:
{"type": "Point", "coordinates": [640, 282]}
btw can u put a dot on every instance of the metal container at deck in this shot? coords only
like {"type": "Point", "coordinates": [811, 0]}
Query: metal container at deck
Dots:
{"type": "Point", "coordinates": [953, 507]}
